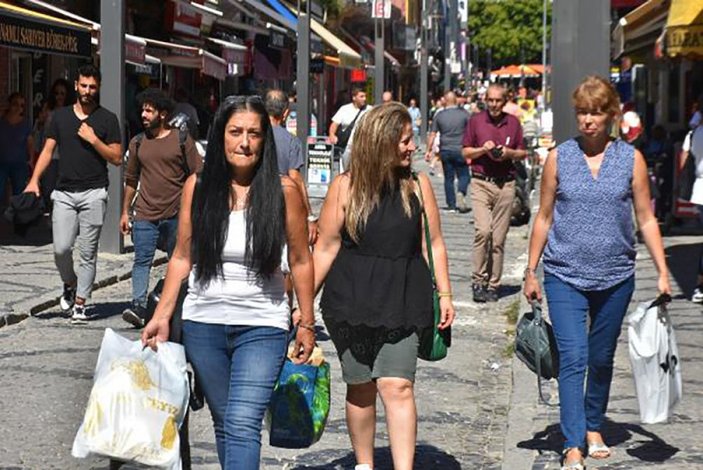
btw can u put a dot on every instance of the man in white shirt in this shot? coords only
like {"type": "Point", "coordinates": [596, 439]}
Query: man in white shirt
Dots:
{"type": "Point", "coordinates": [344, 121]}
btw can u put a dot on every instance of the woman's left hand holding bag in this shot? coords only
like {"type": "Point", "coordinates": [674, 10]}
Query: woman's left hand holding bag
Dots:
{"type": "Point", "coordinates": [304, 344]}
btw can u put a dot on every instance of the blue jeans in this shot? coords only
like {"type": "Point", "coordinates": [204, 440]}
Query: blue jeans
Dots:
{"type": "Point", "coordinates": [145, 236]}
{"type": "Point", "coordinates": [17, 173]}
{"type": "Point", "coordinates": [453, 164]}
{"type": "Point", "coordinates": [237, 368]}
{"type": "Point", "coordinates": [581, 348]}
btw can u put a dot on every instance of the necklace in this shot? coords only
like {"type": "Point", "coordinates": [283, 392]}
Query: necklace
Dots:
{"type": "Point", "coordinates": [239, 200]}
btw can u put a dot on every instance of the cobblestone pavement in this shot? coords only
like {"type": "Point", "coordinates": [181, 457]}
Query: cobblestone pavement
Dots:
{"type": "Point", "coordinates": [47, 367]}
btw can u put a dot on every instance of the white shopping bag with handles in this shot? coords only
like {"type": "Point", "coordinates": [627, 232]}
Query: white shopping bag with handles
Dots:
{"type": "Point", "coordinates": [137, 404]}
{"type": "Point", "coordinates": [655, 361]}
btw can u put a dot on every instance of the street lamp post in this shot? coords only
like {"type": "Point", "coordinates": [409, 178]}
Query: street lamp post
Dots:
{"type": "Point", "coordinates": [424, 85]}
{"type": "Point", "coordinates": [379, 72]}
{"type": "Point", "coordinates": [544, 53]}
{"type": "Point", "coordinates": [303, 76]}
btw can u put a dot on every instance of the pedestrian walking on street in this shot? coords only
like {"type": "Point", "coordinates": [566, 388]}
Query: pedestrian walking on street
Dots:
{"type": "Point", "coordinates": [693, 148]}
{"type": "Point", "coordinates": [289, 151]}
{"type": "Point", "coordinates": [590, 186]}
{"type": "Point", "coordinates": [450, 124]}
{"type": "Point", "coordinates": [416, 116]}
{"type": "Point", "coordinates": [232, 228]}
{"type": "Point", "coordinates": [492, 143]}
{"type": "Point", "coordinates": [341, 131]}
{"type": "Point", "coordinates": [88, 137]}
{"type": "Point", "coordinates": [16, 146]}
{"type": "Point", "coordinates": [378, 289]}
{"type": "Point", "coordinates": [161, 159]}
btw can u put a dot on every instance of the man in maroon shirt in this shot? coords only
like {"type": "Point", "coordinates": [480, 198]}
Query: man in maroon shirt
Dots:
{"type": "Point", "coordinates": [492, 141]}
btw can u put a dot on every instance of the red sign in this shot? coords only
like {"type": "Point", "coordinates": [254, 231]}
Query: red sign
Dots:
{"type": "Point", "coordinates": [134, 51]}
{"type": "Point", "coordinates": [358, 75]}
{"type": "Point", "coordinates": [183, 19]}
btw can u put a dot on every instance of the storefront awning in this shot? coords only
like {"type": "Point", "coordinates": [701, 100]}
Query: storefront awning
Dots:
{"type": "Point", "coordinates": [259, 6]}
{"type": "Point", "coordinates": [190, 57]}
{"type": "Point", "coordinates": [21, 28]}
{"type": "Point", "coordinates": [684, 29]}
{"type": "Point", "coordinates": [640, 28]}
{"type": "Point", "coordinates": [348, 57]}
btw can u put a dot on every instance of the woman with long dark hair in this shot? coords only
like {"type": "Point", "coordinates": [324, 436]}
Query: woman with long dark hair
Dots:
{"type": "Point", "coordinates": [378, 288]}
{"type": "Point", "coordinates": [233, 225]}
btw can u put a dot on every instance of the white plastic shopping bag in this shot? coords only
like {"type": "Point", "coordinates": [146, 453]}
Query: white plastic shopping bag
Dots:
{"type": "Point", "coordinates": [655, 362]}
{"type": "Point", "coordinates": [137, 404]}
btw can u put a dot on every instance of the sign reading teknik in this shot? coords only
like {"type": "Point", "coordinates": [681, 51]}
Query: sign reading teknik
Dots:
{"type": "Point", "coordinates": [21, 32]}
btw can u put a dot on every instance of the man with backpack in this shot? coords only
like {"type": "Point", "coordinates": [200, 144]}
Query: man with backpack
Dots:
{"type": "Point", "coordinates": [160, 160]}
{"type": "Point", "coordinates": [344, 121]}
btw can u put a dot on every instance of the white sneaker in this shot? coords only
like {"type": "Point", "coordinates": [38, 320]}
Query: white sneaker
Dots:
{"type": "Point", "coordinates": [68, 298]}
{"type": "Point", "coordinates": [79, 315]}
{"type": "Point", "coordinates": [461, 203]}
{"type": "Point", "coordinates": [363, 466]}
{"type": "Point", "coordinates": [697, 296]}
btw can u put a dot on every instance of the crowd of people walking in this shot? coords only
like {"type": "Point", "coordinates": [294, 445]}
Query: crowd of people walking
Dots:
{"type": "Point", "coordinates": [242, 241]}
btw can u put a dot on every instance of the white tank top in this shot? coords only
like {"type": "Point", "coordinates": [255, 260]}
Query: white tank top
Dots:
{"type": "Point", "coordinates": [238, 298]}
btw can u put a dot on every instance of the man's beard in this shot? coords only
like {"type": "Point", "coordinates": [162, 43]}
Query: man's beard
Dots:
{"type": "Point", "coordinates": [150, 126]}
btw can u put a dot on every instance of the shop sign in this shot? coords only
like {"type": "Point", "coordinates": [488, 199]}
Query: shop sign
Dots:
{"type": "Point", "coordinates": [320, 165]}
{"type": "Point", "coordinates": [184, 19]}
{"type": "Point", "coordinates": [381, 9]}
{"type": "Point", "coordinates": [277, 40]}
{"type": "Point", "coordinates": [134, 52]}
{"type": "Point", "coordinates": [21, 32]}
{"type": "Point", "coordinates": [684, 40]}
{"type": "Point", "coordinates": [234, 56]}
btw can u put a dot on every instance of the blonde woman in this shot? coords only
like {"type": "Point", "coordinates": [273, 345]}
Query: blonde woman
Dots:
{"type": "Point", "coordinates": [378, 290]}
{"type": "Point", "coordinates": [584, 226]}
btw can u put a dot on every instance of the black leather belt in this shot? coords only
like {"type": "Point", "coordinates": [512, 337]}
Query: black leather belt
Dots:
{"type": "Point", "coordinates": [493, 179]}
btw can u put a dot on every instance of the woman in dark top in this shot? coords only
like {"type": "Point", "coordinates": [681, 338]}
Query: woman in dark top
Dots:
{"type": "Point", "coordinates": [590, 186]}
{"type": "Point", "coordinates": [378, 289]}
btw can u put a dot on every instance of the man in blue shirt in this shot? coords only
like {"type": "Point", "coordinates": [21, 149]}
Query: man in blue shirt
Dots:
{"type": "Point", "coordinates": [416, 117]}
{"type": "Point", "coordinates": [288, 150]}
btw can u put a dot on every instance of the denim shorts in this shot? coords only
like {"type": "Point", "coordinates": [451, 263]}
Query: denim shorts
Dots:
{"type": "Point", "coordinates": [367, 353]}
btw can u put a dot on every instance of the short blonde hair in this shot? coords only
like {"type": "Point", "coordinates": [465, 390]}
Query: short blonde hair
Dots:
{"type": "Point", "coordinates": [595, 93]}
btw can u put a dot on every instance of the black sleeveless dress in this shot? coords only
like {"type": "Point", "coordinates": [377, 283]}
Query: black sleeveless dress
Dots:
{"type": "Point", "coordinates": [383, 282]}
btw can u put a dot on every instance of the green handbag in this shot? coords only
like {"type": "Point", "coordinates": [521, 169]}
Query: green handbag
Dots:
{"type": "Point", "coordinates": [433, 341]}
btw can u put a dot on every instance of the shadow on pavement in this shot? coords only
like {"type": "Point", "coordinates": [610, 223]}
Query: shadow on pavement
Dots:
{"type": "Point", "coordinates": [426, 456]}
{"type": "Point", "coordinates": [683, 264]}
{"type": "Point", "coordinates": [99, 311]}
{"type": "Point", "coordinates": [654, 450]}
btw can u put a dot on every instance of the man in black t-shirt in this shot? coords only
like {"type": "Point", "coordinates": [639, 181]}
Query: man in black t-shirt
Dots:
{"type": "Point", "coordinates": [88, 137]}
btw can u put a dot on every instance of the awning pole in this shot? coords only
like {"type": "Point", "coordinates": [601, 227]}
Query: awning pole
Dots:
{"type": "Point", "coordinates": [424, 85]}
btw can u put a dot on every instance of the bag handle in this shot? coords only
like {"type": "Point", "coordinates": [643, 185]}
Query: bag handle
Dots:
{"type": "Point", "coordinates": [538, 321]}
{"type": "Point", "coordinates": [428, 242]}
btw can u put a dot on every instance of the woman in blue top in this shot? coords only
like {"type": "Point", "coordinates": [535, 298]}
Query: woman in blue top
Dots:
{"type": "Point", "coordinates": [589, 186]}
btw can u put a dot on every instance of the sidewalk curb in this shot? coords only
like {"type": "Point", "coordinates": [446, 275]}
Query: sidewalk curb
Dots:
{"type": "Point", "coordinates": [23, 310]}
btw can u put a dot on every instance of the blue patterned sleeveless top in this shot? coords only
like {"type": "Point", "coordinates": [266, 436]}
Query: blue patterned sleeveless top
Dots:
{"type": "Point", "coordinates": [591, 243]}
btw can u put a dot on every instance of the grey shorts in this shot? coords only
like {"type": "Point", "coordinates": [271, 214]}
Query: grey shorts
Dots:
{"type": "Point", "coordinates": [368, 353]}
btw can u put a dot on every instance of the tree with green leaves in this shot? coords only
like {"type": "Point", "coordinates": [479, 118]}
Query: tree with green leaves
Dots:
{"type": "Point", "coordinates": [512, 29]}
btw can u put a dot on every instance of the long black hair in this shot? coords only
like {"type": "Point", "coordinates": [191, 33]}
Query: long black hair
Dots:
{"type": "Point", "coordinates": [265, 216]}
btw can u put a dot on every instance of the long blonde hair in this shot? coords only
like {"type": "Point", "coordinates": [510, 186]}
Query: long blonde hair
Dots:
{"type": "Point", "coordinates": [375, 164]}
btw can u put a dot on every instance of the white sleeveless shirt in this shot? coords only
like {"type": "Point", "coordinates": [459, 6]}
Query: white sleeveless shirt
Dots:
{"type": "Point", "coordinates": [238, 297]}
